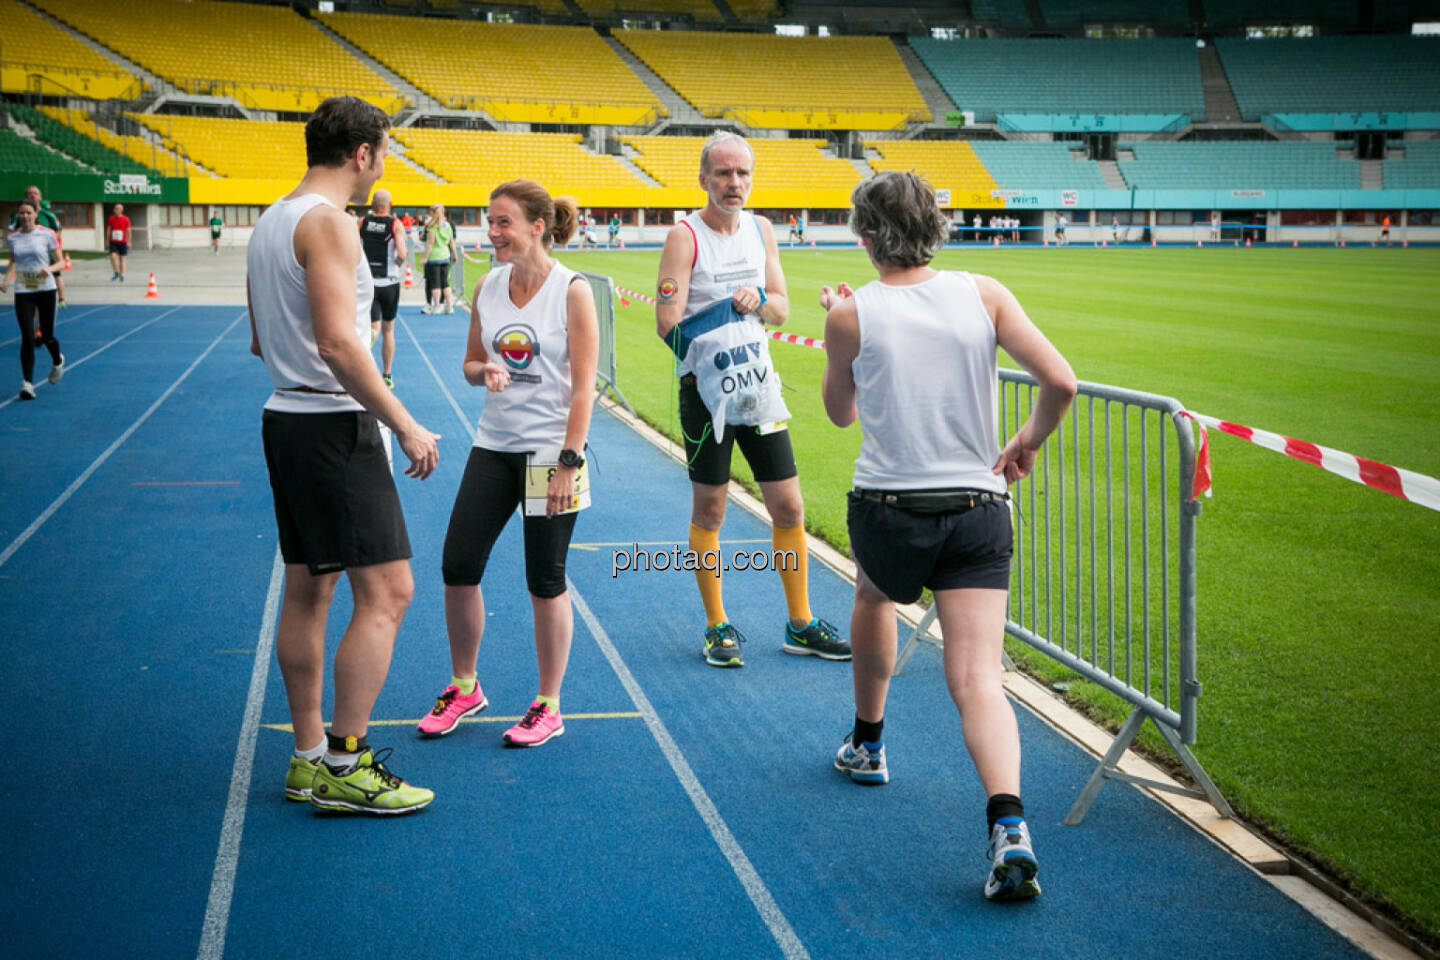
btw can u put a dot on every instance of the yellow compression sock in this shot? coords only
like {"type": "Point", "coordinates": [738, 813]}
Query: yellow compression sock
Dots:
{"type": "Point", "coordinates": [467, 687]}
{"type": "Point", "coordinates": [703, 541]}
{"type": "Point", "coordinates": [792, 561]}
{"type": "Point", "coordinates": [552, 702]}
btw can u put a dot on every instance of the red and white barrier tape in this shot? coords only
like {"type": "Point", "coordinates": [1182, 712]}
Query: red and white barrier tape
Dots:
{"type": "Point", "coordinates": [1405, 484]}
{"type": "Point", "coordinates": [624, 293]}
{"type": "Point", "coordinates": [792, 338]}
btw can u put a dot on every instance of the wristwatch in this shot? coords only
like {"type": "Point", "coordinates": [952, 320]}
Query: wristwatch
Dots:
{"type": "Point", "coordinates": [569, 458]}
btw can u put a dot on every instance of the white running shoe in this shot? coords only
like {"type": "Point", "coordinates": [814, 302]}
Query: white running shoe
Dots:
{"type": "Point", "coordinates": [57, 371]}
{"type": "Point", "coordinates": [27, 390]}
{"type": "Point", "coordinates": [426, 309]}
{"type": "Point", "coordinates": [1012, 862]}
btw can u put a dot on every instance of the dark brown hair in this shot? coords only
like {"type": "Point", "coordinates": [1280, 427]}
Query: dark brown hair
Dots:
{"type": "Point", "coordinates": [896, 213]}
{"type": "Point", "coordinates": [560, 214]}
{"type": "Point", "coordinates": [338, 126]}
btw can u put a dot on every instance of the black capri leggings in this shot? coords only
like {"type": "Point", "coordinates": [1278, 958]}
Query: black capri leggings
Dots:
{"type": "Point", "coordinates": [492, 487]}
{"type": "Point", "coordinates": [437, 277]}
{"type": "Point", "coordinates": [27, 306]}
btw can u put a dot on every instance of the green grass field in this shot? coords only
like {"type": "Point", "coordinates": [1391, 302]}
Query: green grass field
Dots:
{"type": "Point", "coordinates": [1319, 599]}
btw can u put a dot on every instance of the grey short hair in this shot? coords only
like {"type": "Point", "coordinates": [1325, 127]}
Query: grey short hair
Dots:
{"type": "Point", "coordinates": [716, 139]}
{"type": "Point", "coordinates": [896, 213]}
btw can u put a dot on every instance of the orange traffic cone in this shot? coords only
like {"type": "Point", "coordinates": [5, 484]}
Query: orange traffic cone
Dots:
{"type": "Point", "coordinates": [1247, 242]}
{"type": "Point", "coordinates": [1342, 243]}
{"type": "Point", "coordinates": [152, 292]}
{"type": "Point", "coordinates": [67, 262]}
{"type": "Point", "coordinates": [1152, 241]}
{"type": "Point", "coordinates": [409, 277]}
{"type": "Point", "coordinates": [1295, 243]}
{"type": "Point", "coordinates": [622, 244]}
{"type": "Point", "coordinates": [1199, 243]}
{"type": "Point", "coordinates": [812, 243]}
{"type": "Point", "coordinates": [1104, 243]}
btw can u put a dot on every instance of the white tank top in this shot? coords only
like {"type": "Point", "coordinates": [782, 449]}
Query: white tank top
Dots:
{"type": "Point", "coordinates": [925, 383]}
{"type": "Point", "coordinates": [533, 343]}
{"type": "Point", "coordinates": [281, 308]}
{"type": "Point", "coordinates": [31, 253]}
{"type": "Point", "coordinates": [723, 262]}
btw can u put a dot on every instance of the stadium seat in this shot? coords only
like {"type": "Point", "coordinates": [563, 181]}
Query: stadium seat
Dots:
{"type": "Point", "coordinates": [945, 165]}
{"type": "Point", "coordinates": [701, 11]}
{"type": "Point", "coordinates": [253, 149]}
{"type": "Point", "coordinates": [1005, 75]}
{"type": "Point", "coordinates": [267, 58]}
{"type": "Point", "coordinates": [19, 155]}
{"type": "Point", "coordinates": [132, 154]}
{"type": "Point", "coordinates": [484, 159]}
{"type": "Point", "coordinates": [43, 58]}
{"type": "Point", "coordinates": [754, 11]}
{"type": "Point", "coordinates": [1332, 74]}
{"type": "Point", "coordinates": [1219, 165]}
{"type": "Point", "coordinates": [514, 72]}
{"type": "Point", "coordinates": [807, 83]}
{"type": "Point", "coordinates": [675, 162]}
{"type": "Point", "coordinates": [1419, 169]}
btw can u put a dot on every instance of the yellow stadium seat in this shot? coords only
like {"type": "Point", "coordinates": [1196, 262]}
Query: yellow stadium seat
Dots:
{"type": "Point", "coordinates": [40, 57]}
{"type": "Point", "coordinates": [267, 58]}
{"type": "Point", "coordinates": [514, 72]}
{"type": "Point", "coordinates": [787, 173]}
{"type": "Point", "coordinates": [945, 164]}
{"type": "Point", "coordinates": [808, 83]}
{"type": "Point", "coordinates": [139, 149]}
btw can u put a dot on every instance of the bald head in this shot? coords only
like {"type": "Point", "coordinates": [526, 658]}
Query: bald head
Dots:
{"type": "Point", "coordinates": [380, 201]}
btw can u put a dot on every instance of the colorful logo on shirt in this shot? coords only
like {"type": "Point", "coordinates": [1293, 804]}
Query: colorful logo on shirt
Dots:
{"type": "Point", "coordinates": [517, 346]}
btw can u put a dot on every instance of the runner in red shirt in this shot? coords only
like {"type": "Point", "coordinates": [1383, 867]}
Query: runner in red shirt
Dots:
{"type": "Point", "coordinates": [117, 232]}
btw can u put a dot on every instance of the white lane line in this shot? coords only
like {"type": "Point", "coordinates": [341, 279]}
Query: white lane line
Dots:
{"type": "Point", "coordinates": [436, 374]}
{"type": "Point", "coordinates": [745, 871]}
{"type": "Point", "coordinates": [227, 857]}
{"type": "Point", "coordinates": [61, 322]}
{"type": "Point", "coordinates": [79, 481]}
{"type": "Point", "coordinates": [75, 363]}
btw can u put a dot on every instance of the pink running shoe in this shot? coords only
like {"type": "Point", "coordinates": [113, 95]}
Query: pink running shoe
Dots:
{"type": "Point", "coordinates": [539, 724]}
{"type": "Point", "coordinates": [451, 707]}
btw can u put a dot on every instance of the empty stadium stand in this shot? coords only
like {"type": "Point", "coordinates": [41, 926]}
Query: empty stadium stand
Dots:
{"type": "Point", "coordinates": [761, 80]}
{"type": "Point", "coordinates": [514, 72]}
{"type": "Point", "coordinates": [1037, 166]}
{"type": "Point", "coordinates": [19, 154]}
{"type": "Point", "coordinates": [701, 11]}
{"type": "Point", "coordinates": [1212, 165]}
{"type": "Point", "coordinates": [1003, 75]}
{"type": "Point", "coordinates": [1419, 169]}
{"type": "Point", "coordinates": [484, 159]}
{"type": "Point", "coordinates": [52, 132]}
{"type": "Point", "coordinates": [945, 165]}
{"type": "Point", "coordinates": [675, 161]}
{"type": "Point", "coordinates": [1332, 74]}
{"type": "Point", "coordinates": [148, 156]}
{"type": "Point", "coordinates": [267, 58]}
{"type": "Point", "coordinates": [253, 149]}
{"type": "Point", "coordinates": [1078, 13]}
{"type": "Point", "coordinates": [754, 11]}
{"type": "Point", "coordinates": [40, 57]}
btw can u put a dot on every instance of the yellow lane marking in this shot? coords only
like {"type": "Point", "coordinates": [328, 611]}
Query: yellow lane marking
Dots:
{"type": "Point", "coordinates": [653, 543]}
{"type": "Point", "coordinates": [626, 715]}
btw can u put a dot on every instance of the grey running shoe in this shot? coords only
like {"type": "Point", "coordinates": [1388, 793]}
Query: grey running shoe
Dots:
{"type": "Point", "coordinates": [864, 764]}
{"type": "Point", "coordinates": [818, 639]}
{"type": "Point", "coordinates": [722, 646]}
{"type": "Point", "coordinates": [1012, 862]}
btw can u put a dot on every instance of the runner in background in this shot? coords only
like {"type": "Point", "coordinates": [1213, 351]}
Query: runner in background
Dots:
{"type": "Point", "coordinates": [383, 239]}
{"type": "Point", "coordinates": [117, 235]}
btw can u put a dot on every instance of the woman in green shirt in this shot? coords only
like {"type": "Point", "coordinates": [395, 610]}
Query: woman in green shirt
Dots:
{"type": "Point", "coordinates": [440, 252]}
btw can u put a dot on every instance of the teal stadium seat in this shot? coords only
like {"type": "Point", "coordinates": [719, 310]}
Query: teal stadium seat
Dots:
{"type": "Point", "coordinates": [1037, 166]}
{"type": "Point", "coordinates": [1078, 13]}
{"type": "Point", "coordinates": [1332, 74]}
{"type": "Point", "coordinates": [1418, 170]}
{"type": "Point", "coordinates": [1257, 165]}
{"type": "Point", "coordinates": [1007, 75]}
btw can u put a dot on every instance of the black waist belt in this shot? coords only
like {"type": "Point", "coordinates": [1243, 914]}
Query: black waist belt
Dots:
{"type": "Point", "coordinates": [931, 501]}
{"type": "Point", "coordinates": [302, 389]}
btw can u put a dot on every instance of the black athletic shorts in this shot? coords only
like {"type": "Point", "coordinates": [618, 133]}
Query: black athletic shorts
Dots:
{"type": "Point", "coordinates": [769, 455]}
{"type": "Point", "coordinates": [335, 499]}
{"type": "Point", "coordinates": [385, 303]}
{"type": "Point", "coordinates": [437, 276]}
{"type": "Point", "coordinates": [902, 551]}
{"type": "Point", "coordinates": [492, 487]}
{"type": "Point", "coordinates": [120, 247]}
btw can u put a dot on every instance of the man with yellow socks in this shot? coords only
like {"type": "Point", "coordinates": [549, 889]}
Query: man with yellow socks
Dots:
{"type": "Point", "coordinates": [723, 254]}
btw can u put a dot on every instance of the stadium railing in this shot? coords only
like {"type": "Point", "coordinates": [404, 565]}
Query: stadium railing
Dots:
{"type": "Point", "coordinates": [40, 79]}
{"type": "Point", "coordinates": [1103, 577]}
{"type": "Point", "coordinates": [607, 370]}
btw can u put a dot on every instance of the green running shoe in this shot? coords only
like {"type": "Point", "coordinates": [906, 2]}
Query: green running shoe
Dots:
{"type": "Point", "coordinates": [722, 646]}
{"type": "Point", "coordinates": [367, 788]}
{"type": "Point", "coordinates": [818, 639]}
{"type": "Point", "coordinates": [300, 777]}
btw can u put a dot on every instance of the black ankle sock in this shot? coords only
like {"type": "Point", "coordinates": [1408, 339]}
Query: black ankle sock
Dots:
{"type": "Point", "coordinates": [346, 744]}
{"type": "Point", "coordinates": [866, 732]}
{"type": "Point", "coordinates": [1002, 805]}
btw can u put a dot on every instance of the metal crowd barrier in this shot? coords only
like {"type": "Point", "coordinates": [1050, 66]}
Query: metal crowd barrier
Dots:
{"type": "Point", "coordinates": [607, 371]}
{"type": "Point", "coordinates": [1103, 574]}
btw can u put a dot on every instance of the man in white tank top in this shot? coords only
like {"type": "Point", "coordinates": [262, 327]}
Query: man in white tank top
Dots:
{"type": "Point", "coordinates": [929, 505]}
{"type": "Point", "coordinates": [309, 290]}
{"type": "Point", "coordinates": [723, 252]}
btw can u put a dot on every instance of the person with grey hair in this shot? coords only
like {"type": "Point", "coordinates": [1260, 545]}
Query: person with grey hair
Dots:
{"type": "Point", "coordinates": [720, 277]}
{"type": "Point", "coordinates": [912, 356]}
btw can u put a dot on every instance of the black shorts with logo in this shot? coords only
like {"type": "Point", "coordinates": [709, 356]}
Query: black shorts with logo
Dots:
{"type": "Point", "coordinates": [769, 455]}
{"type": "Point", "coordinates": [335, 499]}
{"type": "Point", "coordinates": [901, 551]}
{"type": "Point", "coordinates": [120, 247]}
{"type": "Point", "coordinates": [385, 303]}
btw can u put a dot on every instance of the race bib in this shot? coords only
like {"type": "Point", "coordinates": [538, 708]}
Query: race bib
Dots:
{"type": "Point", "coordinates": [540, 467]}
{"type": "Point", "coordinates": [32, 279]}
{"type": "Point", "coordinates": [117, 235]}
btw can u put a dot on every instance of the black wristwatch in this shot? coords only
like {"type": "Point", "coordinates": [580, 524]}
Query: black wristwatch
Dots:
{"type": "Point", "coordinates": [569, 458]}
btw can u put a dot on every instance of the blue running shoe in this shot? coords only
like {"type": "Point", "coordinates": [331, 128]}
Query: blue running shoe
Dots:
{"type": "Point", "coordinates": [722, 646]}
{"type": "Point", "coordinates": [1012, 862]}
{"type": "Point", "coordinates": [819, 638]}
{"type": "Point", "coordinates": [864, 764]}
